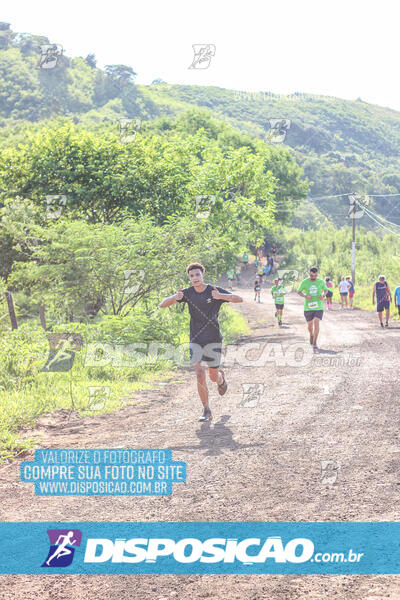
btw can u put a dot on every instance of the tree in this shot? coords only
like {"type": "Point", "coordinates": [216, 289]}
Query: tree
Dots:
{"type": "Point", "coordinates": [6, 35]}
{"type": "Point", "coordinates": [119, 77]}
{"type": "Point", "coordinates": [103, 179]}
{"type": "Point", "coordinates": [91, 60]}
{"type": "Point", "coordinates": [87, 269]}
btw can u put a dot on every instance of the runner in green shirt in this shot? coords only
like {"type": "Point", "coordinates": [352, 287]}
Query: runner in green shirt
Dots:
{"type": "Point", "coordinates": [245, 259]}
{"type": "Point", "coordinates": [313, 291]}
{"type": "Point", "coordinates": [278, 293]}
{"type": "Point", "coordinates": [231, 277]}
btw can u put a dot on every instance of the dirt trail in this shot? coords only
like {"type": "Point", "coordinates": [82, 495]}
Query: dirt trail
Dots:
{"type": "Point", "coordinates": [256, 461]}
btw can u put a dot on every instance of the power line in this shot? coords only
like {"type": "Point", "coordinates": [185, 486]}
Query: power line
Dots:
{"type": "Point", "coordinates": [367, 212]}
{"type": "Point", "coordinates": [381, 195]}
{"type": "Point", "coordinates": [378, 216]}
{"type": "Point", "coordinates": [314, 198]}
{"type": "Point", "coordinates": [317, 198]}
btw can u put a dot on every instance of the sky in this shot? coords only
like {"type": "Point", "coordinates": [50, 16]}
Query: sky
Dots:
{"type": "Point", "coordinates": [347, 48]}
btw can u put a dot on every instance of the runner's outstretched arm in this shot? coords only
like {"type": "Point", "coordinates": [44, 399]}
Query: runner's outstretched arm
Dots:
{"type": "Point", "coordinates": [228, 297]}
{"type": "Point", "coordinates": [172, 299]}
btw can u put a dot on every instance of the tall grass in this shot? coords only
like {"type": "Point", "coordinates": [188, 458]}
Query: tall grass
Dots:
{"type": "Point", "coordinates": [28, 392]}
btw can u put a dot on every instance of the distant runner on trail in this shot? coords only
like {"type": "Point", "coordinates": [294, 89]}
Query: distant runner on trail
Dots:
{"type": "Point", "coordinates": [237, 273]}
{"type": "Point", "coordinates": [351, 291]}
{"type": "Point", "coordinates": [329, 293]}
{"type": "Point", "coordinates": [397, 298]}
{"type": "Point", "coordinates": [204, 301]}
{"type": "Point", "coordinates": [260, 270]}
{"type": "Point", "coordinates": [344, 290]}
{"type": "Point", "coordinates": [231, 277]}
{"type": "Point", "coordinates": [271, 265]}
{"type": "Point", "coordinates": [278, 293]}
{"type": "Point", "coordinates": [245, 258]}
{"type": "Point", "coordinates": [257, 289]}
{"type": "Point", "coordinates": [313, 291]}
{"type": "Point", "coordinates": [383, 298]}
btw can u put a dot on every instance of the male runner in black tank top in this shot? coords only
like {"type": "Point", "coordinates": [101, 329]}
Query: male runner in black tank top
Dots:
{"type": "Point", "coordinates": [204, 301]}
{"type": "Point", "coordinates": [383, 298]}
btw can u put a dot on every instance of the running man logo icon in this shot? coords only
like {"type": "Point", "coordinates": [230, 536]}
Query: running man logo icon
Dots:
{"type": "Point", "coordinates": [61, 551]}
{"type": "Point", "coordinates": [278, 130]}
{"type": "Point", "coordinates": [329, 471]}
{"type": "Point", "coordinates": [55, 205]}
{"type": "Point", "coordinates": [98, 396]}
{"type": "Point", "coordinates": [203, 54]}
{"type": "Point", "coordinates": [203, 206]}
{"type": "Point", "coordinates": [50, 54]}
{"type": "Point", "coordinates": [289, 277]}
{"type": "Point", "coordinates": [128, 129]}
{"type": "Point", "coordinates": [133, 280]}
{"type": "Point", "coordinates": [358, 204]}
{"type": "Point", "coordinates": [61, 355]}
{"type": "Point", "coordinates": [252, 393]}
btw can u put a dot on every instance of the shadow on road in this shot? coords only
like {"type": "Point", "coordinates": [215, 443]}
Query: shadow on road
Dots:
{"type": "Point", "coordinates": [331, 352]}
{"type": "Point", "coordinates": [214, 439]}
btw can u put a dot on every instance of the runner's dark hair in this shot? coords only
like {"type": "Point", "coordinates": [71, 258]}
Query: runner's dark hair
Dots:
{"type": "Point", "coordinates": [314, 269]}
{"type": "Point", "coordinates": [195, 265]}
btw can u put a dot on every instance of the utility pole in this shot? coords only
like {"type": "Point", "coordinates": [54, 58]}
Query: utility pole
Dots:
{"type": "Point", "coordinates": [358, 203]}
{"type": "Point", "coordinates": [352, 214]}
{"type": "Point", "coordinates": [353, 247]}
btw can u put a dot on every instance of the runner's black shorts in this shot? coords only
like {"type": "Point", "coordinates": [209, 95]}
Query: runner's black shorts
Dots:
{"type": "Point", "coordinates": [384, 305]}
{"type": "Point", "coordinates": [279, 306]}
{"type": "Point", "coordinates": [343, 293]}
{"type": "Point", "coordinates": [209, 353]}
{"type": "Point", "coordinates": [313, 314]}
{"type": "Point", "coordinates": [329, 294]}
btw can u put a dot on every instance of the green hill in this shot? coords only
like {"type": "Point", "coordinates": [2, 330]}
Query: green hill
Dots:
{"type": "Point", "coordinates": [343, 146]}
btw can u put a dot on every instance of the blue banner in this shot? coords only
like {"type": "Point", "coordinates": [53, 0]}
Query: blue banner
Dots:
{"type": "Point", "coordinates": [103, 472]}
{"type": "Point", "coordinates": [204, 548]}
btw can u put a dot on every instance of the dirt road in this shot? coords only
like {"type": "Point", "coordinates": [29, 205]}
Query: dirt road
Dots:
{"type": "Point", "coordinates": [318, 442]}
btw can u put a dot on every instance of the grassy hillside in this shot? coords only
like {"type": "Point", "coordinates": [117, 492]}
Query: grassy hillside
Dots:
{"type": "Point", "coordinates": [343, 146]}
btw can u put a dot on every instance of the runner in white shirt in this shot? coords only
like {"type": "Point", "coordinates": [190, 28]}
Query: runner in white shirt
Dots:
{"type": "Point", "coordinates": [344, 290]}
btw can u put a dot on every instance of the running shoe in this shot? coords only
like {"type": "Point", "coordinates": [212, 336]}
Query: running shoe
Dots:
{"type": "Point", "coordinates": [315, 349]}
{"type": "Point", "coordinates": [386, 324]}
{"type": "Point", "coordinates": [223, 386]}
{"type": "Point", "coordinates": [206, 416]}
{"type": "Point", "coordinates": [382, 325]}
